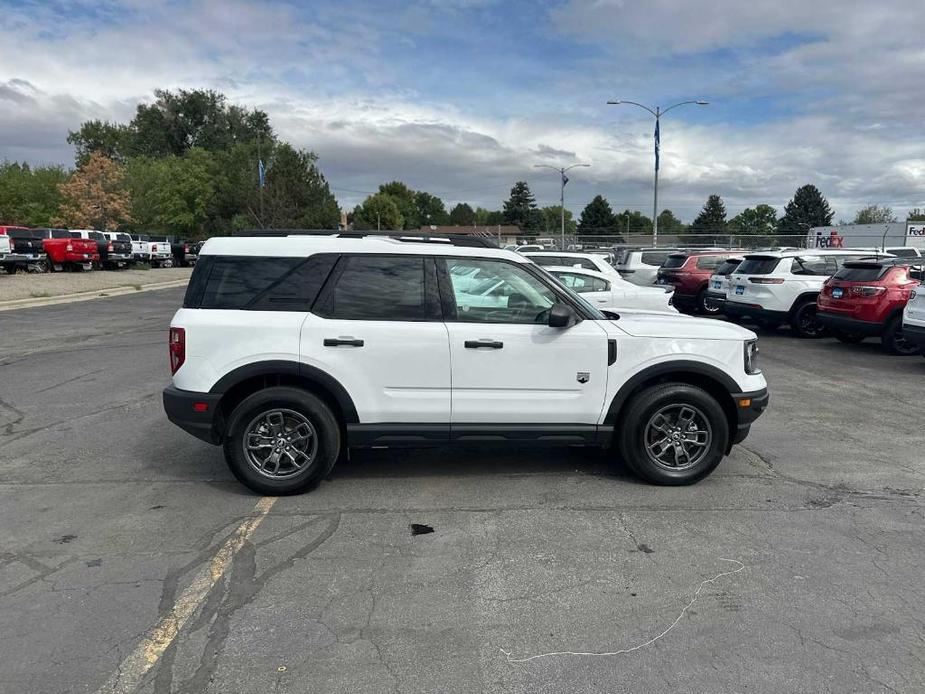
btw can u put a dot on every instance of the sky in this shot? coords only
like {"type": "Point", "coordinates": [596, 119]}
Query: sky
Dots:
{"type": "Point", "coordinates": [464, 97]}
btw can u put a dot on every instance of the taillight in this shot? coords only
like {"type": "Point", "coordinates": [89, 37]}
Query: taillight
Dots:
{"type": "Point", "coordinates": [766, 280]}
{"type": "Point", "coordinates": [868, 291]}
{"type": "Point", "coordinates": [154, 248]}
{"type": "Point", "coordinates": [186, 249]}
{"type": "Point", "coordinates": [177, 342]}
{"type": "Point", "coordinates": [109, 246]}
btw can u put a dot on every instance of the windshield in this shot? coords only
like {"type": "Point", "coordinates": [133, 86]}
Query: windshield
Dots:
{"type": "Point", "coordinates": [757, 265]}
{"type": "Point", "coordinates": [575, 296]}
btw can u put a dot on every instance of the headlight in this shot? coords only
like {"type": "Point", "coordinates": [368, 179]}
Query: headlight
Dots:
{"type": "Point", "coordinates": [751, 357]}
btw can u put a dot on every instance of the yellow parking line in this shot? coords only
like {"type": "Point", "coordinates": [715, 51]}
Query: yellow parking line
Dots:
{"type": "Point", "coordinates": [137, 664]}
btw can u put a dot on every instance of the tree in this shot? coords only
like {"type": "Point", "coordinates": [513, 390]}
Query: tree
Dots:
{"type": "Point", "coordinates": [597, 218]}
{"type": "Point", "coordinates": [874, 214]}
{"type": "Point", "coordinates": [552, 220]}
{"type": "Point", "coordinates": [712, 218]}
{"type": "Point", "coordinates": [296, 194]}
{"type": "Point", "coordinates": [30, 196]}
{"type": "Point", "coordinates": [916, 215]}
{"type": "Point", "coordinates": [520, 208]}
{"type": "Point", "coordinates": [430, 209]}
{"type": "Point", "coordinates": [462, 215]}
{"type": "Point", "coordinates": [760, 220]}
{"type": "Point", "coordinates": [669, 224]}
{"type": "Point", "coordinates": [808, 208]}
{"type": "Point", "coordinates": [96, 196]}
{"type": "Point", "coordinates": [379, 211]}
{"type": "Point", "coordinates": [484, 218]}
{"type": "Point", "coordinates": [404, 199]}
{"type": "Point", "coordinates": [112, 139]}
{"type": "Point", "coordinates": [633, 223]}
{"type": "Point", "coordinates": [172, 194]}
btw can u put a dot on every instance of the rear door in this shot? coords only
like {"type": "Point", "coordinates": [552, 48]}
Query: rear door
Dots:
{"type": "Point", "coordinates": [377, 328]}
{"type": "Point", "coordinates": [508, 365]}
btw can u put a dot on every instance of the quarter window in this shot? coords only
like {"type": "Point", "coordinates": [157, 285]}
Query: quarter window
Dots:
{"type": "Point", "coordinates": [491, 291]}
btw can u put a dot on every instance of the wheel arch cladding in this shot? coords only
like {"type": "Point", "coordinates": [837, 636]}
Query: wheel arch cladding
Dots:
{"type": "Point", "coordinates": [803, 298]}
{"type": "Point", "coordinates": [709, 378]}
{"type": "Point", "coordinates": [250, 378]}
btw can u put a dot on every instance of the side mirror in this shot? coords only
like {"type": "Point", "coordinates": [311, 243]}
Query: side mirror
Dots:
{"type": "Point", "coordinates": [561, 316]}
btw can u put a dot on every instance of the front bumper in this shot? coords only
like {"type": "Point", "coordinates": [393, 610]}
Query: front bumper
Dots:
{"type": "Point", "coordinates": [846, 324]}
{"type": "Point", "coordinates": [185, 409]}
{"type": "Point", "coordinates": [748, 407]}
{"type": "Point", "coordinates": [915, 333]}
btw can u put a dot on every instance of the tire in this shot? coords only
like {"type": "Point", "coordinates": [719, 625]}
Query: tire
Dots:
{"type": "Point", "coordinates": [894, 342]}
{"type": "Point", "coordinates": [289, 409]}
{"type": "Point", "coordinates": [803, 321]}
{"type": "Point", "coordinates": [706, 307]}
{"type": "Point", "coordinates": [653, 410]}
{"type": "Point", "coordinates": [848, 338]}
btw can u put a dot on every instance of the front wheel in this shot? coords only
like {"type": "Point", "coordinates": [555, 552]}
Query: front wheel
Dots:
{"type": "Point", "coordinates": [281, 440]}
{"type": "Point", "coordinates": [804, 322]}
{"type": "Point", "coordinates": [673, 434]}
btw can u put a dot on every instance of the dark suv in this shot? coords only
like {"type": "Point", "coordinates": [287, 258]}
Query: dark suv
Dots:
{"type": "Point", "coordinates": [866, 298]}
{"type": "Point", "coordinates": [690, 274]}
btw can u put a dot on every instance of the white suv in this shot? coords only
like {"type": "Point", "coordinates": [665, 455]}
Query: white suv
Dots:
{"type": "Point", "coordinates": [914, 318]}
{"type": "Point", "coordinates": [588, 261]}
{"type": "Point", "coordinates": [291, 349]}
{"type": "Point", "coordinates": [774, 287]}
{"type": "Point", "coordinates": [609, 290]}
{"type": "Point", "coordinates": [640, 265]}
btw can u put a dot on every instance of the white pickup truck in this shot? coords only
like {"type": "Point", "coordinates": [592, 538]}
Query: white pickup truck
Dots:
{"type": "Point", "coordinates": [156, 253]}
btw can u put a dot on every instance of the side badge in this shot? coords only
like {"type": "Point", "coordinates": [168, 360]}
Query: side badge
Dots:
{"type": "Point", "coordinates": [584, 376]}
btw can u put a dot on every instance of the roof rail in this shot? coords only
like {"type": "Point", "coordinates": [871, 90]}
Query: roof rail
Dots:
{"type": "Point", "coordinates": [470, 240]}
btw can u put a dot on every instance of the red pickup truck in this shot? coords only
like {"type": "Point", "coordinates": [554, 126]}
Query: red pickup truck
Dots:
{"type": "Point", "coordinates": [66, 252]}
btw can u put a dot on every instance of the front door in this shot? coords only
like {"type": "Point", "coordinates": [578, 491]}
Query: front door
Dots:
{"type": "Point", "coordinates": [508, 365]}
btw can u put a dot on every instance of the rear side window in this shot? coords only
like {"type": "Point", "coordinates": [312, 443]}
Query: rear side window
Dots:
{"type": "Point", "coordinates": [709, 262]}
{"type": "Point", "coordinates": [727, 267]}
{"type": "Point", "coordinates": [813, 265]}
{"type": "Point", "coordinates": [257, 283]}
{"type": "Point", "coordinates": [549, 260]}
{"type": "Point", "coordinates": [757, 266]}
{"type": "Point", "coordinates": [655, 258]}
{"type": "Point", "coordinates": [61, 234]}
{"type": "Point", "coordinates": [674, 261]}
{"type": "Point", "coordinates": [380, 288]}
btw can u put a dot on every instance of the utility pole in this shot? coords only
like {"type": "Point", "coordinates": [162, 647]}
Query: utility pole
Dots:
{"type": "Point", "coordinates": [658, 113]}
{"type": "Point", "coordinates": [562, 181]}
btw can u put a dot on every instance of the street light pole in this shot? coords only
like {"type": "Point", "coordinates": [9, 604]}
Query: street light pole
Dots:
{"type": "Point", "coordinates": [562, 181]}
{"type": "Point", "coordinates": [658, 113]}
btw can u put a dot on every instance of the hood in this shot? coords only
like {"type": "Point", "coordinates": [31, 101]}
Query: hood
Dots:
{"type": "Point", "coordinates": [663, 324]}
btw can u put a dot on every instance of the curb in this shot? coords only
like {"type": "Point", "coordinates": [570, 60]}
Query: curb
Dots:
{"type": "Point", "coordinates": [87, 296]}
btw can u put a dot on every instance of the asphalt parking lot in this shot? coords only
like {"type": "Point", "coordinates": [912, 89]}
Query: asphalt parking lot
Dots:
{"type": "Point", "coordinates": [130, 558]}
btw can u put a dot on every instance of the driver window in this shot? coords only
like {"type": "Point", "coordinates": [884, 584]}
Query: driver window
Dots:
{"type": "Point", "coordinates": [491, 291]}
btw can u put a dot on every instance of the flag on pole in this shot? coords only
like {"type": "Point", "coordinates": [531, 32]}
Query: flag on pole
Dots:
{"type": "Point", "coordinates": [564, 179]}
{"type": "Point", "coordinates": [657, 143]}
{"type": "Point", "coordinates": [261, 173]}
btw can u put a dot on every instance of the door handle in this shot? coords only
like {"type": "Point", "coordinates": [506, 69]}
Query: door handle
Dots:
{"type": "Point", "coordinates": [342, 341]}
{"type": "Point", "coordinates": [490, 344]}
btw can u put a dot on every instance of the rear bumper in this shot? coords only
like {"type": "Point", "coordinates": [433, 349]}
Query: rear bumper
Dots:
{"type": "Point", "coordinates": [204, 425]}
{"type": "Point", "coordinates": [848, 325]}
{"type": "Point", "coordinates": [748, 406]}
{"type": "Point", "coordinates": [736, 308]}
{"type": "Point", "coordinates": [914, 333]}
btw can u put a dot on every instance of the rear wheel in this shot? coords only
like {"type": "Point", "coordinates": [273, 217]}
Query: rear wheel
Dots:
{"type": "Point", "coordinates": [673, 434]}
{"type": "Point", "coordinates": [281, 441]}
{"type": "Point", "coordinates": [804, 323]}
{"type": "Point", "coordinates": [895, 342]}
{"type": "Point", "coordinates": [706, 305]}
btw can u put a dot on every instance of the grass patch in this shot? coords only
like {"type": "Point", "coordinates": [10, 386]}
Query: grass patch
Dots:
{"type": "Point", "coordinates": [36, 294]}
{"type": "Point", "coordinates": [137, 287]}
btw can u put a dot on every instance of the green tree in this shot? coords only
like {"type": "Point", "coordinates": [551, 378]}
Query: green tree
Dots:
{"type": "Point", "coordinates": [112, 139]}
{"type": "Point", "coordinates": [172, 194]}
{"type": "Point", "coordinates": [712, 218]}
{"type": "Point", "coordinates": [379, 211]}
{"type": "Point", "coordinates": [484, 218]}
{"type": "Point", "coordinates": [296, 194]}
{"type": "Point", "coordinates": [462, 215]}
{"type": "Point", "coordinates": [669, 224]}
{"type": "Point", "coordinates": [916, 215]}
{"type": "Point", "coordinates": [404, 199]}
{"type": "Point", "coordinates": [30, 196]}
{"type": "Point", "coordinates": [808, 208]}
{"type": "Point", "coordinates": [430, 209]}
{"type": "Point", "coordinates": [552, 220]}
{"type": "Point", "coordinates": [520, 208]}
{"type": "Point", "coordinates": [633, 223]}
{"type": "Point", "coordinates": [597, 218]}
{"type": "Point", "coordinates": [762, 219]}
{"type": "Point", "coordinates": [874, 214]}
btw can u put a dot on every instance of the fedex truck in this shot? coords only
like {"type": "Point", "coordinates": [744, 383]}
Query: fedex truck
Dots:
{"type": "Point", "coordinates": [905, 239]}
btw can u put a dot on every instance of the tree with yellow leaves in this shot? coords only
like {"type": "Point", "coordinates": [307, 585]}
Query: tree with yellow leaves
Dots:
{"type": "Point", "coordinates": [96, 196]}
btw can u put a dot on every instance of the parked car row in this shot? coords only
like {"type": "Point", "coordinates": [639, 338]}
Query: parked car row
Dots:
{"type": "Point", "coordinates": [55, 250]}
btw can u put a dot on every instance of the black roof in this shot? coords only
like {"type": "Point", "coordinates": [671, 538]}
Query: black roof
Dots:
{"type": "Point", "coordinates": [471, 240]}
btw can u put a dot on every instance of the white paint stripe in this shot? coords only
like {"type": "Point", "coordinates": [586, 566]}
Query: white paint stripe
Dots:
{"type": "Point", "coordinates": [145, 656]}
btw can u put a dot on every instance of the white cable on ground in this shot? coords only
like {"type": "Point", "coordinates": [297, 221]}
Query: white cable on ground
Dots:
{"type": "Point", "coordinates": [622, 651]}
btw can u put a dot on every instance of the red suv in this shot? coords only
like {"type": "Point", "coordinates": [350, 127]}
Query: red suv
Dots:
{"type": "Point", "coordinates": [690, 274]}
{"type": "Point", "coordinates": [866, 298]}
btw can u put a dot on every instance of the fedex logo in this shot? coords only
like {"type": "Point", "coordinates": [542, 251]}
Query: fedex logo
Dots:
{"type": "Point", "coordinates": [833, 240]}
{"type": "Point", "coordinates": [916, 230]}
